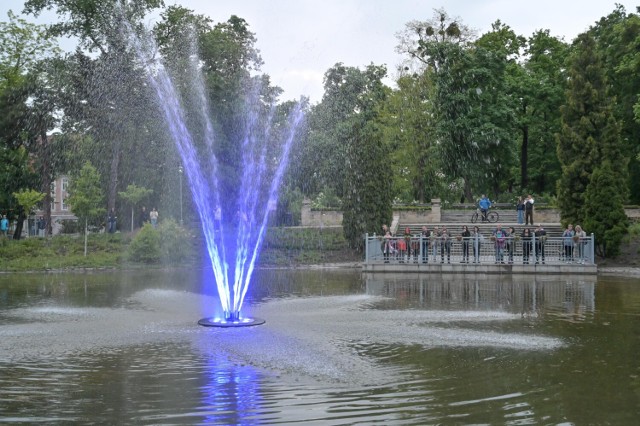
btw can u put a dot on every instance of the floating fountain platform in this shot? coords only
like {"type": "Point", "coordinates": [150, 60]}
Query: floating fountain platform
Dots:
{"type": "Point", "coordinates": [231, 322]}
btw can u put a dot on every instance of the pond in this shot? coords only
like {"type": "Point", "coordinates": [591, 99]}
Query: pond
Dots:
{"type": "Point", "coordinates": [338, 347]}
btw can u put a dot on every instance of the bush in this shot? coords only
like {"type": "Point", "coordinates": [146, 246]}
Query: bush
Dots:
{"type": "Point", "coordinates": [145, 246]}
{"type": "Point", "coordinates": [169, 243]}
{"type": "Point", "coordinates": [175, 242]}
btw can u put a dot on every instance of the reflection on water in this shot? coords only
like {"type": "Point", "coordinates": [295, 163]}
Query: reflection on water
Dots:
{"type": "Point", "coordinates": [524, 294]}
{"type": "Point", "coordinates": [337, 348]}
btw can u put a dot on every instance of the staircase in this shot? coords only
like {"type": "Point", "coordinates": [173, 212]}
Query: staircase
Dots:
{"type": "Point", "coordinates": [454, 219]}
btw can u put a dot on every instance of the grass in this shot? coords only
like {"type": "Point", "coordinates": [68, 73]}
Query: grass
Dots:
{"type": "Point", "coordinates": [281, 247]}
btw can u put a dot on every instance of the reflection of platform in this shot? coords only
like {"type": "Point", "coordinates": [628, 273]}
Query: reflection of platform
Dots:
{"type": "Point", "coordinates": [221, 322]}
{"type": "Point", "coordinates": [482, 268]}
{"type": "Point", "coordinates": [526, 292]}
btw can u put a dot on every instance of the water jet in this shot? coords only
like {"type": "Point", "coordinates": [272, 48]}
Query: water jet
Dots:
{"type": "Point", "coordinates": [233, 227]}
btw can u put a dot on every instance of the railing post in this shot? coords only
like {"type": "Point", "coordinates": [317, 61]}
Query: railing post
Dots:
{"type": "Point", "coordinates": [592, 253]}
{"type": "Point", "coordinates": [366, 247]}
{"type": "Point", "coordinates": [533, 248]}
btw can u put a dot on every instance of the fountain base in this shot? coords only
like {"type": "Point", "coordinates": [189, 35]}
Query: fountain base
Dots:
{"type": "Point", "coordinates": [222, 322]}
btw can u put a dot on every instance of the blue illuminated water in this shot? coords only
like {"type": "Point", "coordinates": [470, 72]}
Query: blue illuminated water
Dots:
{"type": "Point", "coordinates": [233, 254]}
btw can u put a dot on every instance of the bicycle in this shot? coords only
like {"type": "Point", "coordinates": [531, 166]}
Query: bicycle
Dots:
{"type": "Point", "coordinates": [492, 217]}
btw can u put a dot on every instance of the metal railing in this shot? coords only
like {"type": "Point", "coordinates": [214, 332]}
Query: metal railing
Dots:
{"type": "Point", "coordinates": [418, 249]}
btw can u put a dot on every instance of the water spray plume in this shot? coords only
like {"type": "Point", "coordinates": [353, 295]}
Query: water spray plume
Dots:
{"type": "Point", "coordinates": [233, 257]}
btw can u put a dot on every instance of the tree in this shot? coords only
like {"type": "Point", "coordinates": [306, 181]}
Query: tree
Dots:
{"type": "Point", "coordinates": [134, 195]}
{"type": "Point", "coordinates": [27, 200]}
{"type": "Point", "coordinates": [367, 196]}
{"type": "Point", "coordinates": [86, 199]}
{"type": "Point", "coordinates": [617, 38]}
{"type": "Point", "coordinates": [604, 210]}
{"type": "Point", "coordinates": [408, 123]}
{"type": "Point", "coordinates": [590, 133]}
{"type": "Point", "coordinates": [541, 88]}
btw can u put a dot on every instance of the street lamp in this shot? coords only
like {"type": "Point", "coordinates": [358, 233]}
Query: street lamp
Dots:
{"type": "Point", "coordinates": [180, 172]}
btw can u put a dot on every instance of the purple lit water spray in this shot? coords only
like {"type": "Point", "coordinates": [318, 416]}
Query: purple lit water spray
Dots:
{"type": "Point", "coordinates": [233, 262]}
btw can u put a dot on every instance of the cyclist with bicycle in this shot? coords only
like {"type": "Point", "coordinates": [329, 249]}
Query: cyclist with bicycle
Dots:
{"type": "Point", "coordinates": [484, 204]}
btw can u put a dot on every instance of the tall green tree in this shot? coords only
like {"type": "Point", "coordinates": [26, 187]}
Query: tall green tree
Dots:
{"type": "Point", "coordinates": [617, 37]}
{"type": "Point", "coordinates": [407, 117]}
{"type": "Point", "coordinates": [367, 196]}
{"type": "Point", "coordinates": [604, 210]}
{"type": "Point", "coordinates": [24, 47]}
{"type": "Point", "coordinates": [541, 86]}
{"type": "Point", "coordinates": [590, 133]}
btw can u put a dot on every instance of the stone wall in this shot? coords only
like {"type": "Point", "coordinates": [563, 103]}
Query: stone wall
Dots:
{"type": "Point", "coordinates": [334, 217]}
{"type": "Point", "coordinates": [311, 217]}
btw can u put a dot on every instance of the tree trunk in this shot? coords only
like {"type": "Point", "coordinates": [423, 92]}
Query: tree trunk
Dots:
{"type": "Point", "coordinates": [46, 180]}
{"type": "Point", "coordinates": [86, 231]}
{"type": "Point", "coordinates": [524, 153]}
{"type": "Point", "coordinates": [18, 231]}
{"type": "Point", "coordinates": [113, 176]}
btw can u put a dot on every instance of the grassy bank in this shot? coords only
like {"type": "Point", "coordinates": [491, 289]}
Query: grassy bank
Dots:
{"type": "Point", "coordinates": [167, 245]}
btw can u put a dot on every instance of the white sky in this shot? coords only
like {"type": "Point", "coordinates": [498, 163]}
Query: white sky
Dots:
{"type": "Point", "coordinates": [300, 39]}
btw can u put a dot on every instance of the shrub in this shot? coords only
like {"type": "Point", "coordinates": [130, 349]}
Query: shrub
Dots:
{"type": "Point", "coordinates": [175, 242]}
{"type": "Point", "coordinates": [145, 246]}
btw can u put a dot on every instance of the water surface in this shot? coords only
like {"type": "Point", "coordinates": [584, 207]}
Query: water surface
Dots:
{"type": "Point", "coordinates": [337, 348]}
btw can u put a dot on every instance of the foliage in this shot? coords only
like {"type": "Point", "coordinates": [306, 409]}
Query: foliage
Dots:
{"type": "Point", "coordinates": [604, 210]}
{"type": "Point", "coordinates": [27, 199]}
{"type": "Point", "coordinates": [168, 244]}
{"type": "Point", "coordinates": [145, 246]}
{"type": "Point", "coordinates": [176, 243]}
{"type": "Point", "coordinates": [590, 132]}
{"type": "Point", "coordinates": [327, 199]}
{"type": "Point", "coordinates": [133, 196]}
{"type": "Point", "coordinates": [85, 195]}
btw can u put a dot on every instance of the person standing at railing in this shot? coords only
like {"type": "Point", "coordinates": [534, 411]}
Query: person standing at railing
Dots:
{"type": "Point", "coordinates": [435, 243]}
{"type": "Point", "coordinates": [511, 243]}
{"type": "Point", "coordinates": [477, 239]}
{"type": "Point", "coordinates": [425, 234]}
{"type": "Point", "coordinates": [528, 210]}
{"type": "Point", "coordinates": [386, 243]}
{"type": "Point", "coordinates": [581, 238]}
{"type": "Point", "coordinates": [466, 237]}
{"type": "Point", "coordinates": [445, 245]}
{"type": "Point", "coordinates": [526, 245]}
{"type": "Point", "coordinates": [541, 239]}
{"type": "Point", "coordinates": [520, 210]}
{"type": "Point", "coordinates": [567, 242]}
{"type": "Point", "coordinates": [500, 240]}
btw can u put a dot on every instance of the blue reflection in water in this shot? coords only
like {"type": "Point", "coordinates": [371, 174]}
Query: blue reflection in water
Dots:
{"type": "Point", "coordinates": [231, 394]}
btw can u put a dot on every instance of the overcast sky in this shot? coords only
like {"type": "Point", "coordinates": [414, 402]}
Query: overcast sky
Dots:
{"type": "Point", "coordinates": [300, 39]}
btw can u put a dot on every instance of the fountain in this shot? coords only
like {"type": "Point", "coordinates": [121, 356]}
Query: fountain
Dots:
{"type": "Point", "coordinates": [233, 254]}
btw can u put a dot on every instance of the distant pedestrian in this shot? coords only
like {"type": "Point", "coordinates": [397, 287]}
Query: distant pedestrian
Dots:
{"type": "Point", "coordinates": [144, 217]}
{"type": "Point", "coordinates": [528, 210]}
{"type": "Point", "coordinates": [111, 221]}
{"type": "Point", "coordinates": [527, 245]}
{"type": "Point", "coordinates": [580, 242]}
{"type": "Point", "coordinates": [567, 242]}
{"type": "Point", "coordinates": [465, 236]}
{"type": "Point", "coordinates": [154, 217]}
{"type": "Point", "coordinates": [520, 209]}
{"type": "Point", "coordinates": [541, 239]}
{"type": "Point", "coordinates": [42, 224]}
{"type": "Point", "coordinates": [425, 235]}
{"type": "Point", "coordinates": [477, 238]}
{"type": "Point", "coordinates": [4, 225]}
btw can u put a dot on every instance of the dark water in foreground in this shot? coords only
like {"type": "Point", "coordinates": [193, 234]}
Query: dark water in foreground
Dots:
{"type": "Point", "coordinates": [337, 348]}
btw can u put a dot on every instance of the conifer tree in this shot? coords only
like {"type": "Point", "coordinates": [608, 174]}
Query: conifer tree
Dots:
{"type": "Point", "coordinates": [604, 210]}
{"type": "Point", "coordinates": [589, 132]}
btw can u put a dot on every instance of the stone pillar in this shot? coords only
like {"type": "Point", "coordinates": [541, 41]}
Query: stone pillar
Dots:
{"type": "Point", "coordinates": [305, 213]}
{"type": "Point", "coordinates": [435, 210]}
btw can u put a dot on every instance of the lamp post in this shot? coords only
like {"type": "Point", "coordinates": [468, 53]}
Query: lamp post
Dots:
{"type": "Point", "coordinates": [180, 172]}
